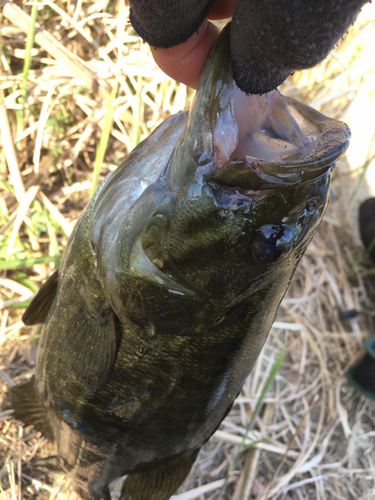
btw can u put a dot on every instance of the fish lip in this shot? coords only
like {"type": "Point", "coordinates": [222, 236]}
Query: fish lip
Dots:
{"type": "Point", "coordinates": [331, 145]}
{"type": "Point", "coordinates": [255, 174]}
{"type": "Point", "coordinates": [320, 160]}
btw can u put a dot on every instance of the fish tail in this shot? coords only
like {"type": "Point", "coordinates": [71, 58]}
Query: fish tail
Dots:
{"type": "Point", "coordinates": [159, 483]}
{"type": "Point", "coordinates": [25, 402]}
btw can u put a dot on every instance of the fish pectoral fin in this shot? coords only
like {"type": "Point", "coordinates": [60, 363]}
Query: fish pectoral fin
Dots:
{"type": "Point", "coordinates": [25, 402]}
{"type": "Point", "coordinates": [140, 265]}
{"type": "Point", "coordinates": [158, 482]}
{"type": "Point", "coordinates": [92, 346]}
{"type": "Point", "coordinates": [41, 303]}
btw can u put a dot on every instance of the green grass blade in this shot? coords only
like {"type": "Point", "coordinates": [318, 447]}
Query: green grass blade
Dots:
{"type": "Point", "coordinates": [103, 142]}
{"type": "Point", "coordinates": [251, 445]}
{"type": "Point", "coordinates": [6, 186]}
{"type": "Point", "coordinates": [275, 370]}
{"type": "Point", "coordinates": [137, 113]}
{"type": "Point", "coordinates": [27, 62]}
{"type": "Point", "coordinates": [52, 236]}
{"type": "Point", "coordinates": [30, 262]}
{"type": "Point", "coordinates": [26, 281]}
{"type": "Point", "coordinates": [21, 305]}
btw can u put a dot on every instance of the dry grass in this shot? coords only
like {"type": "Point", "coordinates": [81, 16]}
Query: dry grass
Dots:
{"type": "Point", "coordinates": [316, 436]}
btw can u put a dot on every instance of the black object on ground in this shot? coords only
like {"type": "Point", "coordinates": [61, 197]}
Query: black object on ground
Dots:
{"type": "Point", "coordinates": [362, 374]}
{"type": "Point", "coordinates": [367, 226]}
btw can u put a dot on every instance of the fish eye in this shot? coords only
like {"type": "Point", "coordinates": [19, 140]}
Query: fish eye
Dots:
{"type": "Point", "coordinates": [271, 241]}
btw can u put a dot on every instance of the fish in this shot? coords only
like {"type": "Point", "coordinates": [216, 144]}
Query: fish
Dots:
{"type": "Point", "coordinates": [170, 283]}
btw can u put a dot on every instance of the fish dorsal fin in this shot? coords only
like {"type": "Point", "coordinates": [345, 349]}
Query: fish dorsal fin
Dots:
{"type": "Point", "coordinates": [41, 303]}
{"type": "Point", "coordinates": [25, 402]}
{"type": "Point", "coordinates": [93, 345]}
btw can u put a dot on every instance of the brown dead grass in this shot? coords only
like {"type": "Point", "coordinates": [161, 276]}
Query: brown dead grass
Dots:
{"type": "Point", "coordinates": [317, 436]}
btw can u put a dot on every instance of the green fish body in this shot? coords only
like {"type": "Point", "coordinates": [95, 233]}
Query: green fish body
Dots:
{"type": "Point", "coordinates": [171, 280]}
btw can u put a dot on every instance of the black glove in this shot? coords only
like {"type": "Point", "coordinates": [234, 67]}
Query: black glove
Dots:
{"type": "Point", "coordinates": [269, 38]}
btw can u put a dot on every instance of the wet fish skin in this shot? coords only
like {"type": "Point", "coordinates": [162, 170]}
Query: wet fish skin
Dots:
{"type": "Point", "coordinates": [169, 285]}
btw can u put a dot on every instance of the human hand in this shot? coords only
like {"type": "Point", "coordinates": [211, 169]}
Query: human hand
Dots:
{"type": "Point", "coordinates": [184, 62]}
{"type": "Point", "coordinates": [269, 38]}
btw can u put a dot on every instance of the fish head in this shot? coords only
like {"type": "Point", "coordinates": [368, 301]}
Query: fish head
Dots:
{"type": "Point", "coordinates": [233, 209]}
{"type": "Point", "coordinates": [249, 185]}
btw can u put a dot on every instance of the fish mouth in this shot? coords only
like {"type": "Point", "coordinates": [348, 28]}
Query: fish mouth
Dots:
{"type": "Point", "coordinates": [264, 141]}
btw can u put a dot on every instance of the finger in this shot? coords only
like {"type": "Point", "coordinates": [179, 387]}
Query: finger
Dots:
{"type": "Point", "coordinates": [223, 9]}
{"type": "Point", "coordinates": [184, 63]}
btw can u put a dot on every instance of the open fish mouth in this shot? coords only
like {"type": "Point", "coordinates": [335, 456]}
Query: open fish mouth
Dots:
{"type": "Point", "coordinates": [264, 141]}
{"type": "Point", "coordinates": [280, 141]}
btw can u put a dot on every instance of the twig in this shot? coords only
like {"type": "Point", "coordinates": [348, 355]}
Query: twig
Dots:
{"type": "Point", "coordinates": [206, 488]}
{"type": "Point", "coordinates": [289, 447]}
{"type": "Point", "coordinates": [19, 462]}
{"type": "Point", "coordinates": [252, 439]}
{"type": "Point", "coordinates": [23, 208]}
{"type": "Point", "coordinates": [9, 149]}
{"type": "Point", "coordinates": [8, 380]}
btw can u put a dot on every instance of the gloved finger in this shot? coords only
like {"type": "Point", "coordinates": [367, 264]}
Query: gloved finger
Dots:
{"type": "Point", "coordinates": [270, 39]}
{"type": "Point", "coordinates": [184, 62]}
{"type": "Point", "coordinates": [166, 23]}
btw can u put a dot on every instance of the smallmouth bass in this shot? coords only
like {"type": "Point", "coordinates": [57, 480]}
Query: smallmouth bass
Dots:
{"type": "Point", "coordinates": [170, 282]}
